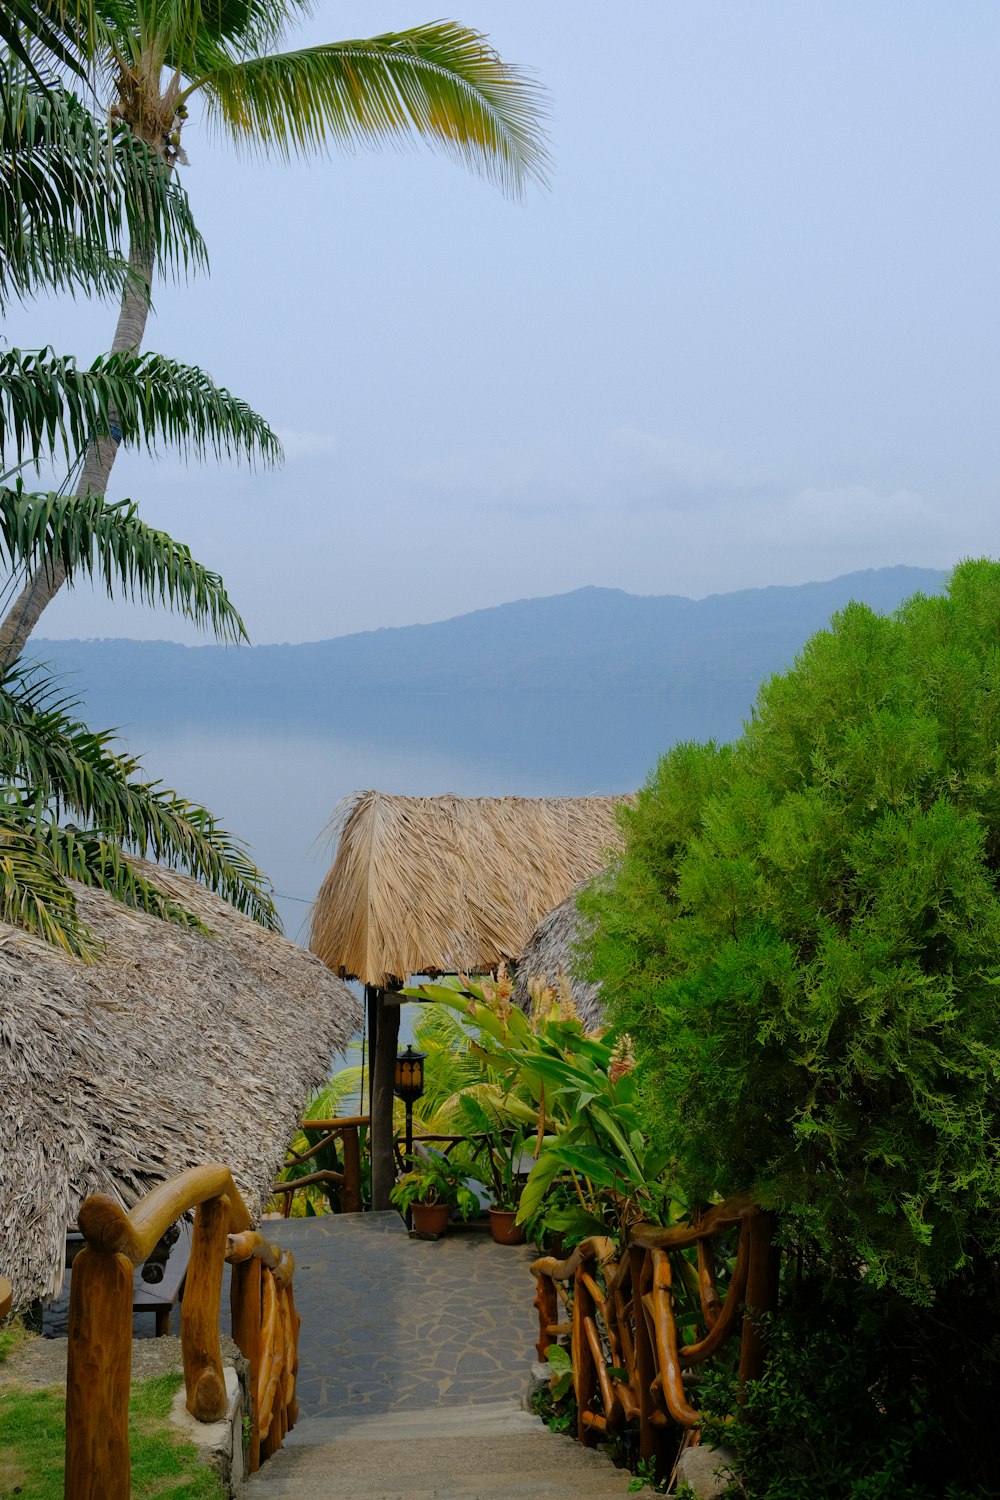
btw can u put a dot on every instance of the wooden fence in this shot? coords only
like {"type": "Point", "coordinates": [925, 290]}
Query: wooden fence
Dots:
{"type": "Point", "coordinates": [265, 1324]}
{"type": "Point", "coordinates": [624, 1322]}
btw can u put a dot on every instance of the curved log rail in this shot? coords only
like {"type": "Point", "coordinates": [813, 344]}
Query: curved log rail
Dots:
{"type": "Point", "coordinates": [630, 1360]}
{"type": "Point", "coordinates": [345, 1129]}
{"type": "Point", "coordinates": [265, 1324]}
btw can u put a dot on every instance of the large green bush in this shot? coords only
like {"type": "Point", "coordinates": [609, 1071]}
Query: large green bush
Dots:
{"type": "Point", "coordinates": [803, 939]}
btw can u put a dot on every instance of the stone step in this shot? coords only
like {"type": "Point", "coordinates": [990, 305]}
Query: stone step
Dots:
{"type": "Point", "coordinates": [488, 1452]}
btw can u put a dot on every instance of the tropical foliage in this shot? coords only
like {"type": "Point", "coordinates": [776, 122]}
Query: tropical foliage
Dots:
{"type": "Point", "coordinates": [570, 1095]}
{"type": "Point", "coordinates": [431, 1180]}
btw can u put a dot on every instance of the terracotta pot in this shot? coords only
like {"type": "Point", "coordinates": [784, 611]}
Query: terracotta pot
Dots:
{"type": "Point", "coordinates": [503, 1228]}
{"type": "Point", "coordinates": [430, 1219]}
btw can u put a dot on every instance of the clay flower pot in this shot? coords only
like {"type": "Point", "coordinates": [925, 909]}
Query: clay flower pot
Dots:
{"type": "Point", "coordinates": [430, 1219]}
{"type": "Point", "coordinates": [503, 1228]}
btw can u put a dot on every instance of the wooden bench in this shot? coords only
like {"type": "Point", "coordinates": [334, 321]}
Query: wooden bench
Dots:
{"type": "Point", "coordinates": [161, 1297]}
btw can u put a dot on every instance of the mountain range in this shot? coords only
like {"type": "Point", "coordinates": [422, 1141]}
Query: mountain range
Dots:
{"type": "Point", "coordinates": [699, 662]}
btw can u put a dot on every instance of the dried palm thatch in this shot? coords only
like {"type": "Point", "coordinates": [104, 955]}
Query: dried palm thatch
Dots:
{"type": "Point", "coordinates": [550, 955]}
{"type": "Point", "coordinates": [437, 885]}
{"type": "Point", "coordinates": [172, 1050]}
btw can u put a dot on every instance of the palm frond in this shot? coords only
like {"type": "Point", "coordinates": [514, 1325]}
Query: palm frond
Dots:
{"type": "Point", "coordinates": [51, 25]}
{"type": "Point", "coordinates": [440, 82]}
{"type": "Point", "coordinates": [72, 186]}
{"type": "Point", "coordinates": [50, 758]}
{"type": "Point", "coordinates": [73, 265]}
{"type": "Point", "coordinates": [47, 402]}
{"type": "Point", "coordinates": [93, 537]}
{"type": "Point", "coordinates": [33, 895]}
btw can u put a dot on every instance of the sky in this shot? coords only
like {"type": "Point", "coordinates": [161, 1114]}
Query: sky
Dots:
{"type": "Point", "coordinates": [747, 335]}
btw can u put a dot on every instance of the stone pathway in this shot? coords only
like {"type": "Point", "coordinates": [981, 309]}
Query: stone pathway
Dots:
{"type": "Point", "coordinates": [414, 1358]}
{"type": "Point", "coordinates": [394, 1323]}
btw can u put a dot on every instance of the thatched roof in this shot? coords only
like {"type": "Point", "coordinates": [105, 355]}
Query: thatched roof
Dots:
{"type": "Point", "coordinates": [425, 885]}
{"type": "Point", "coordinates": [550, 954]}
{"type": "Point", "coordinates": [172, 1050]}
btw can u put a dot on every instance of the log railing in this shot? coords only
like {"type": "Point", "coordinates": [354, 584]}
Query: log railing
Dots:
{"type": "Point", "coordinates": [346, 1130]}
{"type": "Point", "coordinates": [265, 1324]}
{"type": "Point", "coordinates": [631, 1362]}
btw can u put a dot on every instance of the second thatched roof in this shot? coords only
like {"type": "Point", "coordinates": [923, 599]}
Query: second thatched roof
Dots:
{"type": "Point", "coordinates": [172, 1050]}
{"type": "Point", "coordinates": [551, 955]}
{"type": "Point", "coordinates": [436, 885]}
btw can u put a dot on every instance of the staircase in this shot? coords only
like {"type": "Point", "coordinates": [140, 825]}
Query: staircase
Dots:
{"type": "Point", "coordinates": [414, 1356]}
{"type": "Point", "coordinates": [493, 1452]}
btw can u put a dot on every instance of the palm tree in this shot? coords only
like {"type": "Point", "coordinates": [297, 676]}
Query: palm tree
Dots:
{"type": "Point", "coordinates": [68, 194]}
{"type": "Point", "coordinates": [440, 82]}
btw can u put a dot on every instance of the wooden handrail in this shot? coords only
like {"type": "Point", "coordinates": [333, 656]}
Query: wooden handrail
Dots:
{"type": "Point", "coordinates": [336, 1124]}
{"type": "Point", "coordinates": [100, 1323]}
{"type": "Point", "coordinates": [6, 1297]}
{"type": "Point", "coordinates": [105, 1224]}
{"type": "Point", "coordinates": [627, 1354]}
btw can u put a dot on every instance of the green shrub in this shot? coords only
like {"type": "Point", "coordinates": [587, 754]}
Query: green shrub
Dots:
{"type": "Point", "coordinates": [865, 1396]}
{"type": "Point", "coordinates": [803, 940]}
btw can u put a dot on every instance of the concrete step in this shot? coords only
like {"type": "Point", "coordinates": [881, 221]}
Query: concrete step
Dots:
{"type": "Point", "coordinates": [488, 1452]}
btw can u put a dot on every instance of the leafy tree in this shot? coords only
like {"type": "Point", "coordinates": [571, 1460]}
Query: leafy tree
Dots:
{"type": "Point", "coordinates": [803, 939]}
{"type": "Point", "coordinates": [439, 82]}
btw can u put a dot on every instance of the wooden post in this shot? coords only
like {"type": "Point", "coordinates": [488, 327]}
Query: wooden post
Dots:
{"type": "Point", "coordinates": [761, 1295]}
{"type": "Point", "coordinates": [584, 1373]}
{"type": "Point", "coordinates": [383, 1076]}
{"type": "Point", "coordinates": [244, 1303]}
{"type": "Point", "coordinates": [99, 1370]}
{"type": "Point", "coordinates": [650, 1441]}
{"type": "Point", "coordinates": [350, 1192]}
{"type": "Point", "coordinates": [203, 1377]}
{"type": "Point", "coordinates": [547, 1303]}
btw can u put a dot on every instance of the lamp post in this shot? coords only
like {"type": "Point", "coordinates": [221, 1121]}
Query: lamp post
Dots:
{"type": "Point", "coordinates": [408, 1085]}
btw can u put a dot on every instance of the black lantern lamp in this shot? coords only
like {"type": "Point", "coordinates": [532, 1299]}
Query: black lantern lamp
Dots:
{"type": "Point", "coordinates": [408, 1085]}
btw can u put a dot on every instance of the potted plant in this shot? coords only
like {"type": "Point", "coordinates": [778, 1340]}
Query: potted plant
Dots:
{"type": "Point", "coordinates": [496, 1151]}
{"type": "Point", "coordinates": [432, 1189]}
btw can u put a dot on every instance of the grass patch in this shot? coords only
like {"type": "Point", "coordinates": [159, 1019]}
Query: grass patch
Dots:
{"type": "Point", "coordinates": [33, 1437]}
{"type": "Point", "coordinates": [14, 1334]}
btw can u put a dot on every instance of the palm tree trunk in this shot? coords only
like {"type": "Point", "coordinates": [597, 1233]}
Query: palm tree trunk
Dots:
{"type": "Point", "coordinates": [43, 585]}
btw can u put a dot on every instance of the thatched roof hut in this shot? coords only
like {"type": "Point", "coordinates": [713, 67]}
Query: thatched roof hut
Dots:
{"type": "Point", "coordinates": [550, 954]}
{"type": "Point", "coordinates": [172, 1050]}
{"type": "Point", "coordinates": [434, 885]}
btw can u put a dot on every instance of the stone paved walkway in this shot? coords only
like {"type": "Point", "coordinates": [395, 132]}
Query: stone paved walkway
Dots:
{"type": "Point", "coordinates": [391, 1323]}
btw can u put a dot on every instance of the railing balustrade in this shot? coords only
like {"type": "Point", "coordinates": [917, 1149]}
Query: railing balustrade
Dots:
{"type": "Point", "coordinates": [628, 1357]}
{"type": "Point", "coordinates": [346, 1130]}
{"type": "Point", "coordinates": [265, 1324]}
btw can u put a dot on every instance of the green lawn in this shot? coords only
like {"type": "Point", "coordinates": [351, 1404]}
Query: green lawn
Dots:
{"type": "Point", "coordinates": [33, 1435]}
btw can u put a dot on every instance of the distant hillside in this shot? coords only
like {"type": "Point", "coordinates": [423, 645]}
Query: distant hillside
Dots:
{"type": "Point", "coordinates": [699, 662]}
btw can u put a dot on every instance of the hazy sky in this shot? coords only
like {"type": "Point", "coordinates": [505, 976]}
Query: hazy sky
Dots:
{"type": "Point", "coordinates": [749, 334]}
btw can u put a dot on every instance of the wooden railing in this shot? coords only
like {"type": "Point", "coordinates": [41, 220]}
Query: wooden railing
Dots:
{"type": "Point", "coordinates": [265, 1324]}
{"type": "Point", "coordinates": [346, 1130]}
{"type": "Point", "coordinates": [629, 1358]}
{"type": "Point", "coordinates": [6, 1297]}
